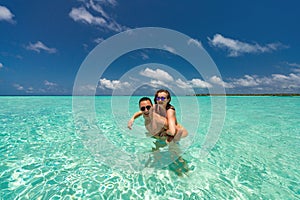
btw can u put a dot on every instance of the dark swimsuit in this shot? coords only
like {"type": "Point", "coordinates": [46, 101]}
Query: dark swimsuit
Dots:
{"type": "Point", "coordinates": [169, 106]}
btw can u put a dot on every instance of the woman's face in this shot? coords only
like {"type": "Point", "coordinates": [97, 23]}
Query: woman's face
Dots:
{"type": "Point", "coordinates": [162, 98]}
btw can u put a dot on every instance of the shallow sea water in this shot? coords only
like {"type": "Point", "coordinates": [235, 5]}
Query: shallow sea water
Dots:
{"type": "Point", "coordinates": [43, 156]}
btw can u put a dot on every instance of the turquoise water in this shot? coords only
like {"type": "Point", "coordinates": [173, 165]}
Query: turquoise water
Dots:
{"type": "Point", "coordinates": [45, 155]}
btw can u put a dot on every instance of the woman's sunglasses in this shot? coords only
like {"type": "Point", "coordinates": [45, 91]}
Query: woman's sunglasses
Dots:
{"type": "Point", "coordinates": [144, 107]}
{"type": "Point", "coordinates": [160, 98]}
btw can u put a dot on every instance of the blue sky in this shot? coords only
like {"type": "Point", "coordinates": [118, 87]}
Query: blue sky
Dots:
{"type": "Point", "coordinates": [254, 44]}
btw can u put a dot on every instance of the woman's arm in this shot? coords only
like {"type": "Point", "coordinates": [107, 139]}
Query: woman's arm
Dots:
{"type": "Point", "coordinates": [171, 116]}
{"type": "Point", "coordinates": [156, 123]}
{"type": "Point", "coordinates": [135, 115]}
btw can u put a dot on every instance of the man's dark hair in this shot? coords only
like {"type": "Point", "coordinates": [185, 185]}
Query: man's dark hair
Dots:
{"type": "Point", "coordinates": [145, 99]}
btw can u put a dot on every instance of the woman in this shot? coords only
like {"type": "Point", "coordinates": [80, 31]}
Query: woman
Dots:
{"type": "Point", "coordinates": [162, 99]}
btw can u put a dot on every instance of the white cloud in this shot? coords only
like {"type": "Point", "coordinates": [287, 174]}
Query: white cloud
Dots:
{"type": "Point", "coordinates": [48, 83]}
{"type": "Point", "coordinates": [279, 77]}
{"type": "Point", "coordinates": [182, 84]}
{"type": "Point", "coordinates": [112, 84]}
{"type": "Point", "coordinates": [157, 78]}
{"type": "Point", "coordinates": [85, 90]}
{"type": "Point", "coordinates": [101, 17]}
{"type": "Point", "coordinates": [280, 81]}
{"type": "Point", "coordinates": [170, 49]}
{"type": "Point", "coordinates": [272, 83]}
{"type": "Point", "coordinates": [200, 83]}
{"type": "Point", "coordinates": [296, 70]}
{"type": "Point", "coordinates": [18, 86]}
{"type": "Point", "coordinates": [218, 81]}
{"type": "Point", "coordinates": [246, 81]}
{"type": "Point", "coordinates": [293, 64]}
{"type": "Point", "coordinates": [295, 77]}
{"type": "Point", "coordinates": [287, 78]}
{"type": "Point", "coordinates": [194, 83]}
{"type": "Point", "coordinates": [237, 48]}
{"type": "Point", "coordinates": [30, 90]}
{"type": "Point", "coordinates": [98, 40]}
{"type": "Point", "coordinates": [156, 74]}
{"type": "Point", "coordinates": [81, 14]}
{"type": "Point", "coordinates": [1, 65]}
{"type": "Point", "coordinates": [194, 42]}
{"type": "Point", "coordinates": [112, 3]}
{"type": "Point", "coordinates": [157, 84]}
{"type": "Point", "coordinates": [296, 67]}
{"type": "Point", "coordinates": [144, 56]}
{"type": "Point", "coordinates": [38, 46]}
{"type": "Point", "coordinates": [6, 15]}
{"type": "Point", "coordinates": [98, 8]}
{"type": "Point", "coordinates": [45, 87]}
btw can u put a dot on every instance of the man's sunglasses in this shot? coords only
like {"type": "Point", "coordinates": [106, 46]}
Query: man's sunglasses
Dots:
{"type": "Point", "coordinates": [160, 98]}
{"type": "Point", "coordinates": [144, 107]}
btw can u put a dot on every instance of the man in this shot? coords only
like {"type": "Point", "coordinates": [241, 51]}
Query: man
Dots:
{"type": "Point", "coordinates": [154, 123]}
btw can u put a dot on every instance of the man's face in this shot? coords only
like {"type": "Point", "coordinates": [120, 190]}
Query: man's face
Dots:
{"type": "Point", "coordinates": [145, 107]}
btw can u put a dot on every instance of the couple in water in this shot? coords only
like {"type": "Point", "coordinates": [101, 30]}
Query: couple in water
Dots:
{"type": "Point", "coordinates": [160, 118]}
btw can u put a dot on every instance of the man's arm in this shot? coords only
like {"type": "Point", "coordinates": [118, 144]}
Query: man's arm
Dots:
{"type": "Point", "coordinates": [135, 115]}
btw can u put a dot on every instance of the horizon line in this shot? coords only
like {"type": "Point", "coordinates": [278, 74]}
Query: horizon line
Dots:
{"type": "Point", "coordinates": [200, 94]}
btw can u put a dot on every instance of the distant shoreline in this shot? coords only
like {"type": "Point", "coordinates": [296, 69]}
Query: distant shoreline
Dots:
{"type": "Point", "coordinates": [275, 94]}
